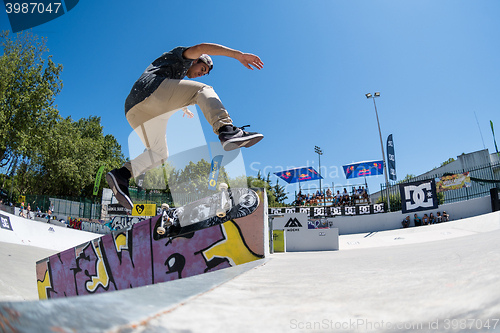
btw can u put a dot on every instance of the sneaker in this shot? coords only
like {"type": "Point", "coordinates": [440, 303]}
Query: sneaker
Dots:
{"type": "Point", "coordinates": [119, 186]}
{"type": "Point", "coordinates": [238, 138]}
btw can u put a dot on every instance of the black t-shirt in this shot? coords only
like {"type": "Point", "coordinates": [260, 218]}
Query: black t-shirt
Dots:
{"type": "Point", "coordinates": [171, 65]}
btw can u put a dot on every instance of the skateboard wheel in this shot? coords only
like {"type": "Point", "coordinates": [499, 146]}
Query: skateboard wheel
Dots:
{"type": "Point", "coordinates": [160, 230]}
{"type": "Point", "coordinates": [223, 187]}
{"type": "Point", "coordinates": [164, 206]}
{"type": "Point", "coordinates": [220, 212]}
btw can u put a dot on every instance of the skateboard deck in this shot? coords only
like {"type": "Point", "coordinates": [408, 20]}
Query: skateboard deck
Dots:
{"type": "Point", "coordinates": [229, 204]}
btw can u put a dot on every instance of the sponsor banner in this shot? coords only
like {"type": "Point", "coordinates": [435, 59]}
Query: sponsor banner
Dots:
{"type": "Point", "coordinates": [5, 222]}
{"type": "Point", "coordinates": [319, 212]}
{"type": "Point", "coordinates": [117, 209]}
{"type": "Point", "coordinates": [417, 196]}
{"type": "Point", "coordinates": [453, 182]}
{"type": "Point", "coordinates": [214, 172]}
{"type": "Point", "coordinates": [391, 158]}
{"type": "Point", "coordinates": [97, 181]}
{"type": "Point", "coordinates": [364, 169]}
{"type": "Point", "coordinates": [144, 210]}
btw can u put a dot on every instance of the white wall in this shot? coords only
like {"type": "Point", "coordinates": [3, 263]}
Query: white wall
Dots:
{"type": "Point", "coordinates": [389, 221]}
{"type": "Point", "coordinates": [312, 240]}
{"type": "Point", "coordinates": [40, 234]}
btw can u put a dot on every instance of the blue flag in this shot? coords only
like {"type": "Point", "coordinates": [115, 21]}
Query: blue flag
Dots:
{"type": "Point", "coordinates": [363, 169]}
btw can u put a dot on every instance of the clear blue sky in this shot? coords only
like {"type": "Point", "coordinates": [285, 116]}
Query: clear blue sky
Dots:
{"type": "Point", "coordinates": [435, 63]}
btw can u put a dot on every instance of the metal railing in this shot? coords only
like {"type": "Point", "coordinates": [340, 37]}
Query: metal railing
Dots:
{"type": "Point", "coordinates": [65, 206]}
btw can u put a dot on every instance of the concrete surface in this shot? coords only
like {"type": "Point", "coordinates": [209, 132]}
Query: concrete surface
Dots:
{"type": "Point", "coordinates": [17, 271]}
{"type": "Point", "coordinates": [440, 278]}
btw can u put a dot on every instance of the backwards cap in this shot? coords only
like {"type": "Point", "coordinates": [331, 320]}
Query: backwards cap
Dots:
{"type": "Point", "coordinates": [207, 60]}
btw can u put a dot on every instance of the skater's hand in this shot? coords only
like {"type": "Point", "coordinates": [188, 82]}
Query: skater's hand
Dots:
{"type": "Point", "coordinates": [248, 60]}
{"type": "Point", "coordinates": [188, 113]}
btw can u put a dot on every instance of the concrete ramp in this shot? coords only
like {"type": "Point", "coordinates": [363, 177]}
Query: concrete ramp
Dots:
{"type": "Point", "coordinates": [121, 311]}
{"type": "Point", "coordinates": [131, 258]}
{"type": "Point", "coordinates": [18, 230]}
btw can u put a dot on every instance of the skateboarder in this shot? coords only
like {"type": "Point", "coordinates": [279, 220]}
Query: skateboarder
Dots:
{"type": "Point", "coordinates": [161, 91]}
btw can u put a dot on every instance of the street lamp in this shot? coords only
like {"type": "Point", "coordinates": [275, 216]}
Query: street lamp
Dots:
{"type": "Point", "coordinates": [318, 151]}
{"type": "Point", "coordinates": [375, 95]}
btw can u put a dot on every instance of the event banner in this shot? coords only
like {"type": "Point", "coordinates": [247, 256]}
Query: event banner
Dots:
{"type": "Point", "coordinates": [214, 172]}
{"type": "Point", "coordinates": [391, 158]}
{"type": "Point", "coordinates": [364, 169]}
{"type": "Point", "coordinates": [453, 182]}
{"type": "Point", "coordinates": [417, 196]}
{"type": "Point", "coordinates": [330, 211]}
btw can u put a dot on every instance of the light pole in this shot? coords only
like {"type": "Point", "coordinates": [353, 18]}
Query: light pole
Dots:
{"type": "Point", "coordinates": [375, 95]}
{"type": "Point", "coordinates": [318, 151]}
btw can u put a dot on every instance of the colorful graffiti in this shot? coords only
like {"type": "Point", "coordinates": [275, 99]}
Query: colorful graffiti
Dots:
{"type": "Point", "coordinates": [131, 258]}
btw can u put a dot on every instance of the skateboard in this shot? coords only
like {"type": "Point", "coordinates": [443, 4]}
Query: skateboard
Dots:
{"type": "Point", "coordinates": [228, 204]}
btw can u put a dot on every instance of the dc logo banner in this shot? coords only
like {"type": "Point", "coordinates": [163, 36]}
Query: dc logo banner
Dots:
{"type": "Point", "coordinates": [418, 196]}
{"type": "Point", "coordinates": [5, 222]}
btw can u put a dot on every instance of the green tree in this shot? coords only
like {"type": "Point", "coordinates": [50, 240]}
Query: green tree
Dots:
{"type": "Point", "coordinates": [448, 161]}
{"type": "Point", "coordinates": [406, 179]}
{"type": "Point", "coordinates": [66, 162]}
{"type": "Point", "coordinates": [29, 83]}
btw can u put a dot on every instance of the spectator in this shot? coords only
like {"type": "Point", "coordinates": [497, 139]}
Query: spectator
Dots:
{"type": "Point", "coordinates": [319, 195]}
{"type": "Point", "coordinates": [363, 193]}
{"type": "Point", "coordinates": [439, 218]}
{"type": "Point", "coordinates": [49, 212]}
{"type": "Point", "coordinates": [425, 220]}
{"type": "Point", "coordinates": [329, 194]}
{"type": "Point", "coordinates": [446, 217]}
{"type": "Point", "coordinates": [28, 211]}
{"type": "Point", "coordinates": [432, 219]}
{"type": "Point", "coordinates": [345, 197]}
{"type": "Point", "coordinates": [359, 191]}
{"type": "Point", "coordinates": [406, 222]}
{"type": "Point", "coordinates": [417, 220]}
{"type": "Point", "coordinates": [338, 198]}
{"type": "Point", "coordinates": [21, 210]}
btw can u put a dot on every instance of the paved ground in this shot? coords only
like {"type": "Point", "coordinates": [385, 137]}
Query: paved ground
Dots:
{"type": "Point", "coordinates": [443, 278]}
{"type": "Point", "coordinates": [409, 286]}
{"type": "Point", "coordinates": [17, 271]}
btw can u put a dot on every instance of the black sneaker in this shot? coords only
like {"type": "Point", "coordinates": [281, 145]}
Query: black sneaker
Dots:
{"type": "Point", "coordinates": [119, 186]}
{"type": "Point", "coordinates": [238, 138]}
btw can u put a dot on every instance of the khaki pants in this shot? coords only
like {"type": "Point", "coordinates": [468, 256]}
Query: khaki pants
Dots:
{"type": "Point", "coordinates": [150, 117]}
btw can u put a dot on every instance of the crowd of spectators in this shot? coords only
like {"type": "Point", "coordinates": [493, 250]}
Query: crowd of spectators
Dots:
{"type": "Point", "coordinates": [426, 219]}
{"type": "Point", "coordinates": [339, 199]}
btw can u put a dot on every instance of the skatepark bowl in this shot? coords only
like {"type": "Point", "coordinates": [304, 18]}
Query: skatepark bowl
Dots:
{"type": "Point", "coordinates": [437, 278]}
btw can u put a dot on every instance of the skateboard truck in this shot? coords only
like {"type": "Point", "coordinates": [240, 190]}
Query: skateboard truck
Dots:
{"type": "Point", "coordinates": [225, 204]}
{"type": "Point", "coordinates": [166, 221]}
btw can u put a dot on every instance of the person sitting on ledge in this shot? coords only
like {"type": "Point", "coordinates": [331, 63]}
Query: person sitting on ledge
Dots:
{"type": "Point", "coordinates": [432, 219]}
{"type": "Point", "coordinates": [345, 197]}
{"type": "Point", "coordinates": [439, 218]}
{"type": "Point", "coordinates": [425, 220]}
{"type": "Point", "coordinates": [406, 222]}
{"type": "Point", "coordinates": [417, 220]}
{"type": "Point", "coordinates": [446, 216]}
{"type": "Point", "coordinates": [328, 194]}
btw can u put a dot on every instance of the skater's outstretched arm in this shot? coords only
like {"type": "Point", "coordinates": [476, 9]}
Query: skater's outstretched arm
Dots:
{"type": "Point", "coordinates": [247, 59]}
